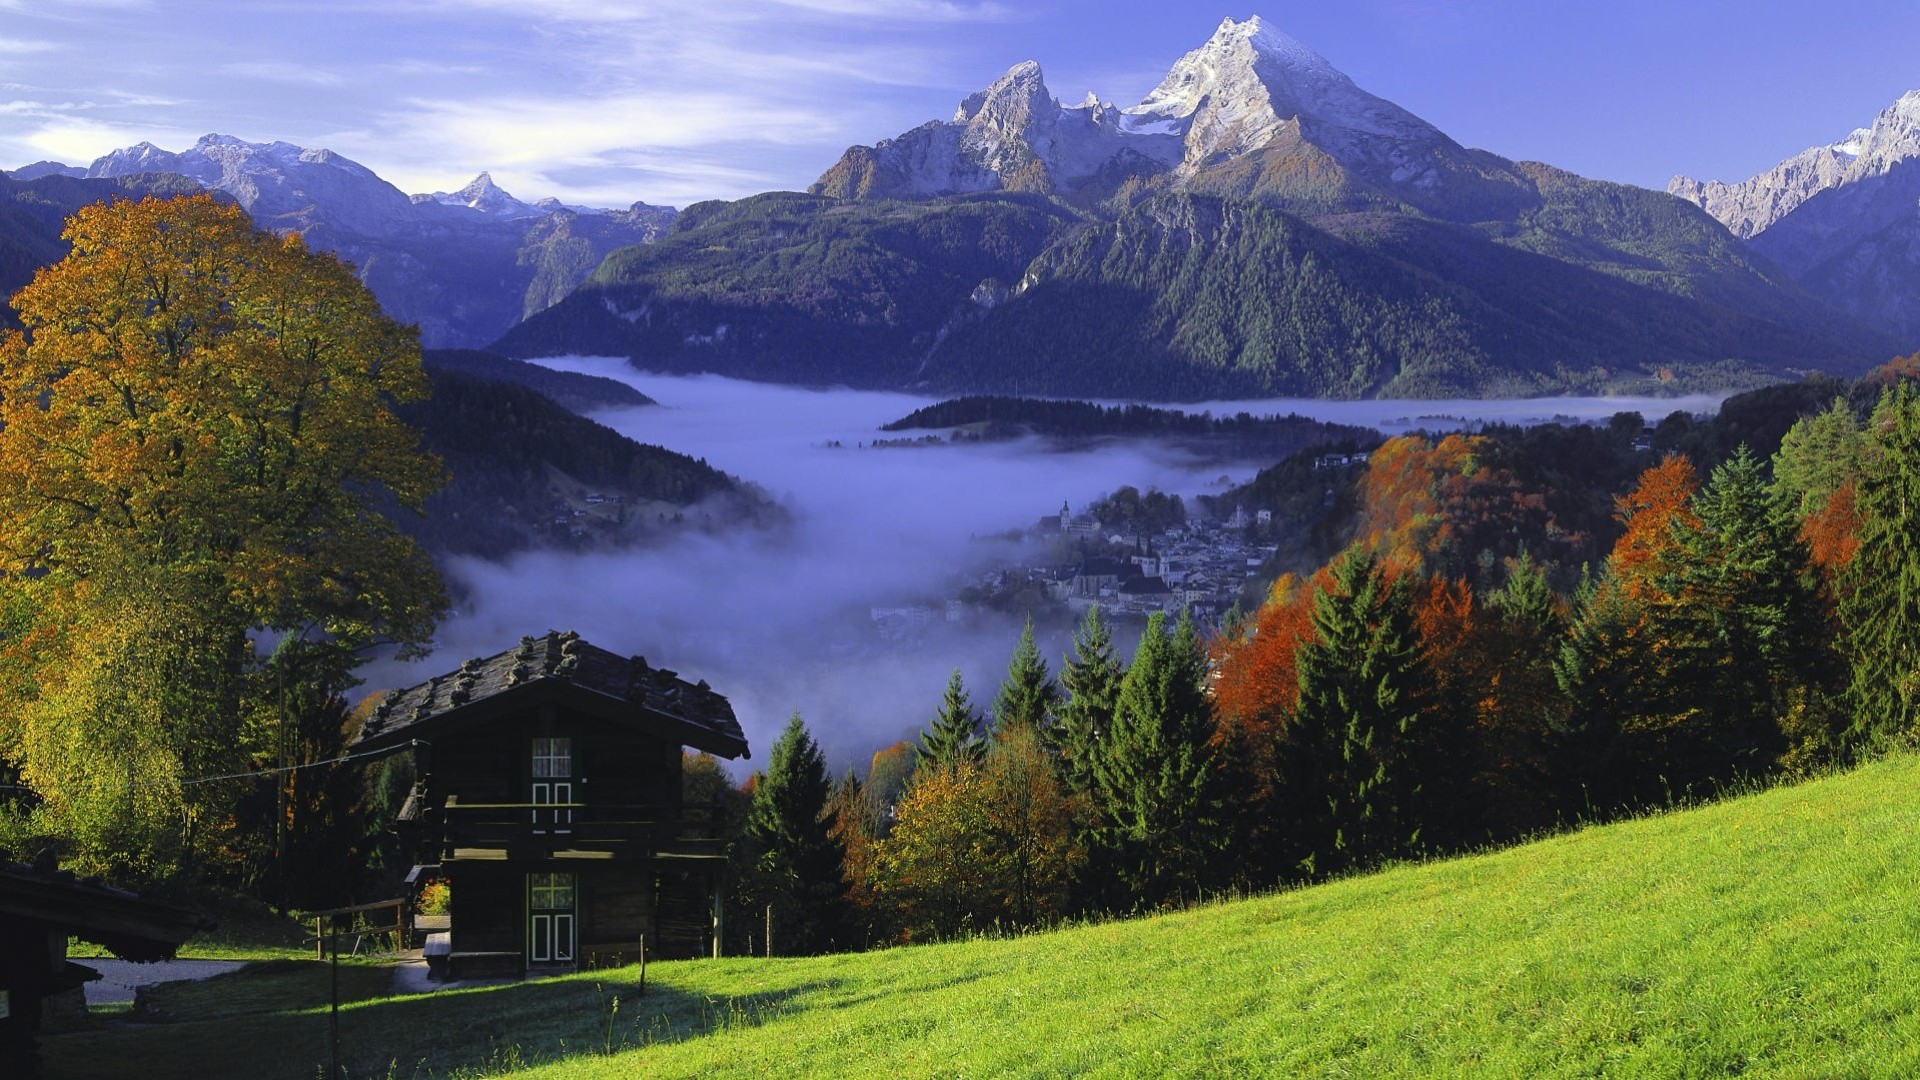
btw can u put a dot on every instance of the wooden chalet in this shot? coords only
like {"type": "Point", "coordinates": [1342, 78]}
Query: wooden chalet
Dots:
{"type": "Point", "coordinates": [41, 906]}
{"type": "Point", "coordinates": [548, 797]}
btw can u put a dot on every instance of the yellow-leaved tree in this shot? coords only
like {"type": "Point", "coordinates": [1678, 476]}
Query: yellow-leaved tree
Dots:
{"type": "Point", "coordinates": [198, 444]}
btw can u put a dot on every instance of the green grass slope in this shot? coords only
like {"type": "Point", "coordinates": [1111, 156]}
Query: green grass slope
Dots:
{"type": "Point", "coordinates": [1773, 935]}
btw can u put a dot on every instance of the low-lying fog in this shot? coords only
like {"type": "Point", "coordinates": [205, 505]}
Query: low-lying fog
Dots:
{"type": "Point", "coordinates": [780, 622]}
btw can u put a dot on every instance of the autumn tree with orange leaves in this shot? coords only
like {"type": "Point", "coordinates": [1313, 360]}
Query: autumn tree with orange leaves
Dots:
{"type": "Point", "coordinates": [198, 439]}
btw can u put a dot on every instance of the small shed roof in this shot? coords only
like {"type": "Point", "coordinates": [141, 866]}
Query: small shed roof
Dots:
{"type": "Point", "coordinates": [578, 674]}
{"type": "Point", "coordinates": [89, 909]}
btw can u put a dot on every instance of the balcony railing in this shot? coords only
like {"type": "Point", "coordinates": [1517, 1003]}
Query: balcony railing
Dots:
{"type": "Point", "coordinates": [536, 830]}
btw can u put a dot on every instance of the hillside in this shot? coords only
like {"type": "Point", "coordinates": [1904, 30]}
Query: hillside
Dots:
{"type": "Point", "coordinates": [1074, 423]}
{"type": "Point", "coordinates": [573, 390]}
{"type": "Point", "coordinates": [797, 288]}
{"type": "Point", "coordinates": [526, 473]}
{"type": "Point", "coordinates": [1178, 297]}
{"type": "Point", "coordinates": [1770, 935]}
{"type": "Point", "coordinates": [33, 213]}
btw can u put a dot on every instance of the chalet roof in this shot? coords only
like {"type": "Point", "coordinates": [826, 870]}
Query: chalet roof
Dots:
{"type": "Point", "coordinates": [89, 909]}
{"type": "Point", "coordinates": [584, 675]}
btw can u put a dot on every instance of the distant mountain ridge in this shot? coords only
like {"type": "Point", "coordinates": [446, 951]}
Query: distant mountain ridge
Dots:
{"type": "Point", "coordinates": [464, 266]}
{"type": "Point", "coordinates": [1257, 225]}
{"type": "Point", "coordinates": [1841, 218]}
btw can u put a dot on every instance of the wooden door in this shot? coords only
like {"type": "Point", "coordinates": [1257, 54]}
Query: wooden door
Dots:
{"type": "Point", "coordinates": [551, 917]}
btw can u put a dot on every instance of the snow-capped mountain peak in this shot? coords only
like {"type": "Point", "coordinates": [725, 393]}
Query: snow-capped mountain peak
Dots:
{"type": "Point", "coordinates": [1237, 91]}
{"type": "Point", "coordinates": [1250, 90]}
{"type": "Point", "coordinates": [487, 197]}
{"type": "Point", "coordinates": [1753, 206]}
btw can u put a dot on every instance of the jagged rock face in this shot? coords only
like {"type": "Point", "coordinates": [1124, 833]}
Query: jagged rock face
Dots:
{"type": "Point", "coordinates": [1750, 208]}
{"type": "Point", "coordinates": [1841, 219]}
{"type": "Point", "coordinates": [488, 198]}
{"type": "Point", "coordinates": [281, 185]}
{"type": "Point", "coordinates": [1251, 112]}
{"type": "Point", "coordinates": [1014, 135]}
{"type": "Point", "coordinates": [463, 266]}
{"type": "Point", "coordinates": [1236, 92]}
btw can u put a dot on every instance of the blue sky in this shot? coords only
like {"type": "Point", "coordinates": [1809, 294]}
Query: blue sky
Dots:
{"type": "Point", "coordinates": [671, 101]}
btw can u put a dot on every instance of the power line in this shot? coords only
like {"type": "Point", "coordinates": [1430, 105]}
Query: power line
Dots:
{"type": "Point", "coordinates": [341, 760]}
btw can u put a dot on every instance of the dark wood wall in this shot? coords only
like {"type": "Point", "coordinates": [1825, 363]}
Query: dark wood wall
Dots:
{"type": "Point", "coordinates": [622, 766]}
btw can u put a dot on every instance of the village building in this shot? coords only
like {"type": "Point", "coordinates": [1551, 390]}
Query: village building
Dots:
{"type": "Point", "coordinates": [548, 798]}
{"type": "Point", "coordinates": [41, 907]}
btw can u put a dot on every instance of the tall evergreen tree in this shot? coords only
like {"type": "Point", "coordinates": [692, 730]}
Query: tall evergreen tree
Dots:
{"type": "Point", "coordinates": [1741, 625]}
{"type": "Point", "coordinates": [1818, 456]}
{"type": "Point", "coordinates": [1348, 754]}
{"type": "Point", "coordinates": [1091, 678]}
{"type": "Point", "coordinates": [1028, 697]}
{"type": "Point", "coordinates": [1880, 605]}
{"type": "Point", "coordinates": [1153, 777]}
{"type": "Point", "coordinates": [955, 734]}
{"type": "Point", "coordinates": [1522, 717]}
{"type": "Point", "coordinates": [799, 860]}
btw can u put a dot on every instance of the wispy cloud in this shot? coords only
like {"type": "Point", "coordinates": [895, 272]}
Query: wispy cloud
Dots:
{"type": "Point", "coordinates": [78, 141]}
{"type": "Point", "coordinates": [22, 47]}
{"type": "Point", "coordinates": [279, 72]}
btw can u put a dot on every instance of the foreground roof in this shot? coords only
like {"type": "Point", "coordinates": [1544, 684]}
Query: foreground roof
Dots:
{"type": "Point", "coordinates": [87, 908]}
{"type": "Point", "coordinates": [565, 667]}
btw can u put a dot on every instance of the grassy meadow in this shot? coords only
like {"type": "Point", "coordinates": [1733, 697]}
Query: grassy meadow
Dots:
{"type": "Point", "coordinates": [1777, 934]}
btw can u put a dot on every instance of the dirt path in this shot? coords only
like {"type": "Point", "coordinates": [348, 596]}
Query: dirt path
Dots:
{"type": "Point", "coordinates": [119, 978]}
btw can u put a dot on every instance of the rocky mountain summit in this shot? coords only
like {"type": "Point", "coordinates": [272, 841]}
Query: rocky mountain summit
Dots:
{"type": "Point", "coordinates": [464, 266]}
{"type": "Point", "coordinates": [1257, 224]}
{"type": "Point", "coordinates": [1843, 219]}
{"type": "Point", "coordinates": [1252, 111]}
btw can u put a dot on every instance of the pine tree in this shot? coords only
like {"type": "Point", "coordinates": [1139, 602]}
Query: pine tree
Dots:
{"type": "Point", "coordinates": [1153, 779]}
{"type": "Point", "coordinates": [1028, 697]}
{"type": "Point", "coordinates": [1522, 718]}
{"type": "Point", "coordinates": [1880, 605]}
{"type": "Point", "coordinates": [955, 734]}
{"type": "Point", "coordinates": [799, 861]}
{"type": "Point", "coordinates": [1743, 631]}
{"type": "Point", "coordinates": [1349, 750]}
{"type": "Point", "coordinates": [1091, 679]}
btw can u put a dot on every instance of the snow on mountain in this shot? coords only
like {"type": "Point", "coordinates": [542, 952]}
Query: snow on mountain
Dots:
{"type": "Point", "coordinates": [1250, 89]}
{"type": "Point", "coordinates": [1235, 93]}
{"type": "Point", "coordinates": [1840, 218]}
{"type": "Point", "coordinates": [1752, 206]}
{"type": "Point", "coordinates": [484, 195]}
{"type": "Point", "coordinates": [464, 266]}
{"type": "Point", "coordinates": [280, 184]}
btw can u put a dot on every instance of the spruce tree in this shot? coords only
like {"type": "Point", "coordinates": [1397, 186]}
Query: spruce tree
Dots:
{"type": "Point", "coordinates": [1029, 697]}
{"type": "Point", "coordinates": [1880, 603]}
{"type": "Point", "coordinates": [1348, 755]}
{"type": "Point", "coordinates": [799, 862]}
{"type": "Point", "coordinates": [1153, 778]}
{"type": "Point", "coordinates": [1521, 718]}
{"type": "Point", "coordinates": [1091, 678]}
{"type": "Point", "coordinates": [1743, 631]}
{"type": "Point", "coordinates": [954, 737]}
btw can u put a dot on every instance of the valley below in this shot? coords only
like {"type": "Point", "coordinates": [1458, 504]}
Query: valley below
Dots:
{"type": "Point", "coordinates": [797, 618]}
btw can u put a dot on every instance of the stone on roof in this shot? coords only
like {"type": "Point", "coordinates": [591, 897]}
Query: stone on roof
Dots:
{"type": "Point", "coordinates": [567, 662]}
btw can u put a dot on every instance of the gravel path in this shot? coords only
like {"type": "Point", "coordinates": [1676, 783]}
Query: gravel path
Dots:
{"type": "Point", "coordinates": [118, 978]}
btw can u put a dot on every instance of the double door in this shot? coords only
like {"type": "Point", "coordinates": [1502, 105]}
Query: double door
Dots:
{"type": "Point", "coordinates": [552, 914]}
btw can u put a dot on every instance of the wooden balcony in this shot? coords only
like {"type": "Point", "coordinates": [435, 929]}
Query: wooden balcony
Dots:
{"type": "Point", "coordinates": [538, 831]}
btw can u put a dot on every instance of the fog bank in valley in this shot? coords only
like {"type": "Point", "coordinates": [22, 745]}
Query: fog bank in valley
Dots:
{"type": "Point", "coordinates": [780, 621]}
